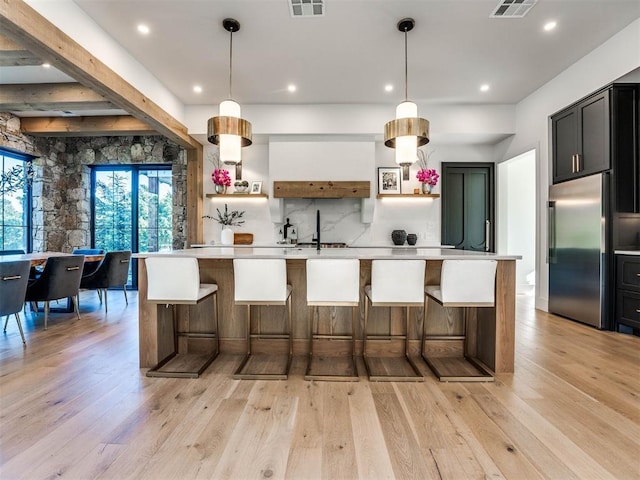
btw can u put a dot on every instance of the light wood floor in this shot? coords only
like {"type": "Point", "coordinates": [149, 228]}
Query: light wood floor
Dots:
{"type": "Point", "coordinates": [74, 405]}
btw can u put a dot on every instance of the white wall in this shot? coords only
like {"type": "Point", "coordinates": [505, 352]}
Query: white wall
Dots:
{"type": "Point", "coordinates": [517, 215]}
{"type": "Point", "coordinates": [613, 59]}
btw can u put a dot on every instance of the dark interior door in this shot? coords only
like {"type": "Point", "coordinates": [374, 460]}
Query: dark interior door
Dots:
{"type": "Point", "coordinates": [468, 206]}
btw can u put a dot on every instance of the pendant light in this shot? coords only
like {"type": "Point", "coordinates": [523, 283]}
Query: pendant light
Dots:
{"type": "Point", "coordinates": [228, 130]}
{"type": "Point", "coordinates": [408, 131]}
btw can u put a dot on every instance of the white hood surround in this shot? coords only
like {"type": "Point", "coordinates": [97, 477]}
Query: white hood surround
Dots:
{"type": "Point", "coordinates": [322, 158]}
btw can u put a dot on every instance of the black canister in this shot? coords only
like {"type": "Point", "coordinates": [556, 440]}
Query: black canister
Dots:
{"type": "Point", "coordinates": [412, 238]}
{"type": "Point", "coordinates": [398, 237]}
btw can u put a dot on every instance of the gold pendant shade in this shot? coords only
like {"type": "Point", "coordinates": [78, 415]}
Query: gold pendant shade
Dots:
{"type": "Point", "coordinates": [217, 126]}
{"type": "Point", "coordinates": [401, 127]}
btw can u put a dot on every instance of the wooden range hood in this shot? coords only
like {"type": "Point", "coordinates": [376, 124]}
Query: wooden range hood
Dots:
{"type": "Point", "coordinates": [321, 189]}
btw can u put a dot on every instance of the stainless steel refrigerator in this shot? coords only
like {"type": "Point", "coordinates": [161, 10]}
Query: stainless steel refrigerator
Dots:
{"type": "Point", "coordinates": [578, 249]}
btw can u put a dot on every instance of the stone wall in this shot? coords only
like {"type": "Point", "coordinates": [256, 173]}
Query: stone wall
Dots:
{"type": "Point", "coordinates": [62, 187]}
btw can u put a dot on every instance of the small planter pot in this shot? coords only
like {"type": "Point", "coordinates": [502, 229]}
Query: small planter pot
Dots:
{"type": "Point", "coordinates": [226, 236]}
{"type": "Point", "coordinates": [399, 237]}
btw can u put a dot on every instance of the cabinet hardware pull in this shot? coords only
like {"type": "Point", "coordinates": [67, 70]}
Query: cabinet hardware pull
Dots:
{"type": "Point", "coordinates": [12, 277]}
{"type": "Point", "coordinates": [573, 164]}
{"type": "Point", "coordinates": [577, 162]}
{"type": "Point", "coordinates": [637, 310]}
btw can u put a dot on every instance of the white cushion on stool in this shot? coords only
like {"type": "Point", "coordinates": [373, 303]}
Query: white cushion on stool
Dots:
{"type": "Point", "coordinates": [175, 280]}
{"type": "Point", "coordinates": [260, 280]}
{"type": "Point", "coordinates": [397, 281]}
{"type": "Point", "coordinates": [333, 281]}
{"type": "Point", "coordinates": [470, 282]}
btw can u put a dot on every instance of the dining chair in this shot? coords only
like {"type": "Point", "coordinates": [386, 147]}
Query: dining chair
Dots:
{"type": "Point", "coordinates": [463, 284]}
{"type": "Point", "coordinates": [262, 281]}
{"type": "Point", "coordinates": [91, 266]}
{"type": "Point", "coordinates": [394, 283]}
{"type": "Point", "coordinates": [332, 283]}
{"type": "Point", "coordinates": [173, 281]}
{"type": "Point", "coordinates": [13, 287]}
{"type": "Point", "coordinates": [60, 279]}
{"type": "Point", "coordinates": [113, 271]}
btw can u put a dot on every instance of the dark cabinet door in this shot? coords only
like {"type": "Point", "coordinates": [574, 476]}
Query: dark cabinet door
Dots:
{"type": "Point", "coordinates": [565, 144]}
{"type": "Point", "coordinates": [467, 206]}
{"type": "Point", "coordinates": [580, 138]}
{"type": "Point", "coordinates": [593, 135]}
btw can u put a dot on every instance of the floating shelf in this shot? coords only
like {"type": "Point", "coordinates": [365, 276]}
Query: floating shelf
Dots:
{"type": "Point", "coordinates": [236, 195]}
{"type": "Point", "coordinates": [408, 195]}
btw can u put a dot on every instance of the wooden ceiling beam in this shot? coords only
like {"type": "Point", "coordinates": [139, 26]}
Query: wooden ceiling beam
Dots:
{"type": "Point", "coordinates": [116, 125]}
{"type": "Point", "coordinates": [51, 96]}
{"type": "Point", "coordinates": [14, 55]}
{"type": "Point", "coordinates": [26, 26]}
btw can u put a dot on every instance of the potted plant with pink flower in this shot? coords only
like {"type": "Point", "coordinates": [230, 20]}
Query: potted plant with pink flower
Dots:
{"type": "Point", "coordinates": [220, 176]}
{"type": "Point", "coordinates": [428, 177]}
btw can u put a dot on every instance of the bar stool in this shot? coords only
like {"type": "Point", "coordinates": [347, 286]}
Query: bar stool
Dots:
{"type": "Point", "coordinates": [176, 281]}
{"type": "Point", "coordinates": [262, 281]}
{"type": "Point", "coordinates": [394, 283]}
{"type": "Point", "coordinates": [466, 284]}
{"type": "Point", "coordinates": [332, 282]}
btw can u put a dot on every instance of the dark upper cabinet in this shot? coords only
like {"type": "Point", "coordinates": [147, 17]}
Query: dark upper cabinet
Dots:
{"type": "Point", "coordinates": [581, 142]}
{"type": "Point", "coordinates": [601, 132]}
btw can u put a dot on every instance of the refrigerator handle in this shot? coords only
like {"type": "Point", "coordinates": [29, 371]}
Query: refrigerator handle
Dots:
{"type": "Point", "coordinates": [551, 233]}
{"type": "Point", "coordinates": [487, 234]}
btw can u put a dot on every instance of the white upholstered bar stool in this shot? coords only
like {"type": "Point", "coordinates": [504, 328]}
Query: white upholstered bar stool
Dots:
{"type": "Point", "coordinates": [466, 284]}
{"type": "Point", "coordinates": [176, 281]}
{"type": "Point", "coordinates": [332, 282]}
{"type": "Point", "coordinates": [394, 283]}
{"type": "Point", "coordinates": [262, 281]}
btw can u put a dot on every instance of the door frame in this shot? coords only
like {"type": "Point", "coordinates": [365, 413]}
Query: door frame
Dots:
{"type": "Point", "coordinates": [446, 170]}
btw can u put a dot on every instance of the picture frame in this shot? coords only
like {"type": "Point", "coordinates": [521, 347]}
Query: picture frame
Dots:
{"type": "Point", "coordinates": [389, 180]}
{"type": "Point", "coordinates": [256, 188]}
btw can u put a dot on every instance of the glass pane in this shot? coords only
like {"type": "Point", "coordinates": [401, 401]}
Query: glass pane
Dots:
{"type": "Point", "coordinates": [14, 228]}
{"type": "Point", "coordinates": [155, 208]}
{"type": "Point", "coordinates": [112, 210]}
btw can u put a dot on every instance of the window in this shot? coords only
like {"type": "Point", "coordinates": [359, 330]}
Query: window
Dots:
{"type": "Point", "coordinates": [132, 208]}
{"type": "Point", "coordinates": [15, 201]}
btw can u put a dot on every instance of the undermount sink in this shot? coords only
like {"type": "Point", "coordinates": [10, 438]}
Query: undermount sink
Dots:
{"type": "Point", "coordinates": [323, 245]}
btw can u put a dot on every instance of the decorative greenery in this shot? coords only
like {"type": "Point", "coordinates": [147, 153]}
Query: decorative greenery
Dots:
{"type": "Point", "coordinates": [14, 179]}
{"type": "Point", "coordinates": [228, 218]}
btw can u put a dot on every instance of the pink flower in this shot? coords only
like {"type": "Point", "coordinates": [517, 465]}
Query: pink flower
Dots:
{"type": "Point", "coordinates": [221, 176]}
{"type": "Point", "coordinates": [428, 176]}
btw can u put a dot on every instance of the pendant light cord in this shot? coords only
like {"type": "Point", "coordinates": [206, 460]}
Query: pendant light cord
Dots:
{"type": "Point", "coordinates": [406, 69]}
{"type": "Point", "coordinates": [230, 64]}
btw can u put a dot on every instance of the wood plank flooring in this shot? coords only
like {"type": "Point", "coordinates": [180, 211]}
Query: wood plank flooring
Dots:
{"type": "Point", "coordinates": [75, 405]}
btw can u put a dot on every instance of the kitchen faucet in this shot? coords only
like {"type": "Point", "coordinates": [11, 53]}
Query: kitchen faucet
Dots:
{"type": "Point", "coordinates": [317, 239]}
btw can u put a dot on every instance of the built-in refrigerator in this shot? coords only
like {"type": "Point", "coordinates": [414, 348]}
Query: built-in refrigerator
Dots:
{"type": "Point", "coordinates": [579, 249]}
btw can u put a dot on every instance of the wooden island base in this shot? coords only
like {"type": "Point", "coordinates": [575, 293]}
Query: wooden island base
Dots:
{"type": "Point", "coordinates": [490, 331]}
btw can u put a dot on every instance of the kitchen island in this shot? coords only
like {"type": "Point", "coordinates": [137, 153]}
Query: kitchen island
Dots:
{"type": "Point", "coordinates": [490, 331]}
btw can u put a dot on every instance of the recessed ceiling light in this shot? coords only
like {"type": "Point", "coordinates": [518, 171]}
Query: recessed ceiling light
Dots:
{"type": "Point", "coordinates": [292, 88]}
{"type": "Point", "coordinates": [143, 29]}
{"type": "Point", "coordinates": [388, 88]}
{"type": "Point", "coordinates": [197, 89]}
{"type": "Point", "coordinates": [46, 65]}
{"type": "Point", "coordinates": [550, 26]}
{"type": "Point", "coordinates": [484, 88]}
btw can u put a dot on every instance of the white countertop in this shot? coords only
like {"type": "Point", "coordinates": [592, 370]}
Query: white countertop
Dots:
{"type": "Point", "coordinates": [369, 253]}
{"type": "Point", "coordinates": [627, 252]}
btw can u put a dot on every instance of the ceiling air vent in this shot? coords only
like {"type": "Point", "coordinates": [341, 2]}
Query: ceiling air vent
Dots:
{"type": "Point", "coordinates": [306, 8]}
{"type": "Point", "coordinates": [513, 8]}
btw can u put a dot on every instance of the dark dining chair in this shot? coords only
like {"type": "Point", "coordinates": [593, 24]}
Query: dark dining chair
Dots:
{"type": "Point", "coordinates": [60, 279]}
{"type": "Point", "coordinates": [13, 287]}
{"type": "Point", "coordinates": [89, 267]}
{"type": "Point", "coordinates": [12, 252]}
{"type": "Point", "coordinates": [112, 272]}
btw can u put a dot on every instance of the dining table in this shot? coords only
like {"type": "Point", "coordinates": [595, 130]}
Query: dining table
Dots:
{"type": "Point", "coordinates": [39, 259]}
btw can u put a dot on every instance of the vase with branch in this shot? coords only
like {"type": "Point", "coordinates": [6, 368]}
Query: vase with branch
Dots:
{"type": "Point", "coordinates": [227, 219]}
{"type": "Point", "coordinates": [220, 176]}
{"type": "Point", "coordinates": [428, 177]}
